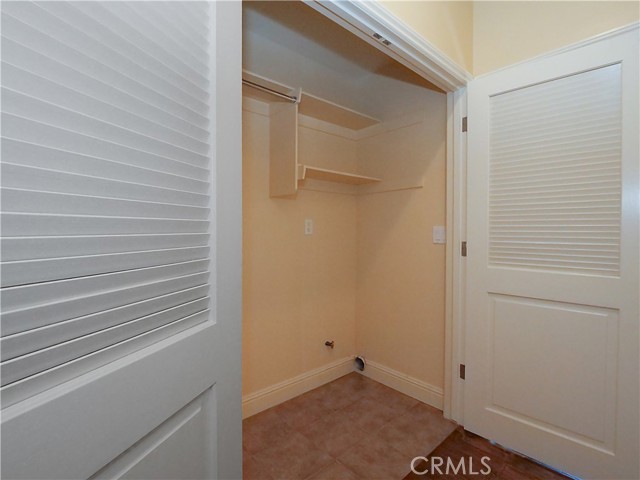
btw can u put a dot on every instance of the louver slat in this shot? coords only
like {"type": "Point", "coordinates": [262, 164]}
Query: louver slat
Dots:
{"type": "Point", "coordinates": [32, 248]}
{"type": "Point", "coordinates": [554, 187]}
{"type": "Point", "coordinates": [105, 184]}
{"type": "Point", "coordinates": [16, 391]}
{"type": "Point", "coordinates": [40, 338]}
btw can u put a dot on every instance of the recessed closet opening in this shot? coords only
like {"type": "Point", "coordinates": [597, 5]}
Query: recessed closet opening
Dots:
{"type": "Point", "coordinates": [344, 168]}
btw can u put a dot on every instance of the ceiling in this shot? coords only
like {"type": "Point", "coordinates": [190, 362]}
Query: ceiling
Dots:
{"type": "Point", "coordinates": [291, 43]}
{"type": "Point", "coordinates": [307, 32]}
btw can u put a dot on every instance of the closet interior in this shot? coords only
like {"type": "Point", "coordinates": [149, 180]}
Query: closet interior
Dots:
{"type": "Point", "coordinates": [343, 184]}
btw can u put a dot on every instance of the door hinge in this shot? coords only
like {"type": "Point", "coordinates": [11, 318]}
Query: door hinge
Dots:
{"type": "Point", "coordinates": [462, 371]}
{"type": "Point", "coordinates": [463, 249]}
{"type": "Point", "coordinates": [464, 124]}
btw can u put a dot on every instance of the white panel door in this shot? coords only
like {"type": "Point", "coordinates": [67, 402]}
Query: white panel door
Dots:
{"type": "Point", "coordinates": [553, 258]}
{"type": "Point", "coordinates": [121, 240]}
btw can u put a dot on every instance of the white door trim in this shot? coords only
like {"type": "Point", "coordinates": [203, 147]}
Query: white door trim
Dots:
{"type": "Point", "coordinates": [226, 77]}
{"type": "Point", "coordinates": [455, 264]}
{"type": "Point", "coordinates": [365, 19]}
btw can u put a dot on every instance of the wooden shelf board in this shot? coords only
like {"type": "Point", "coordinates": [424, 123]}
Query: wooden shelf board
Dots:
{"type": "Point", "coordinates": [306, 171]}
{"type": "Point", "coordinates": [309, 105]}
{"type": "Point", "coordinates": [328, 111]}
{"type": "Point", "coordinates": [251, 92]}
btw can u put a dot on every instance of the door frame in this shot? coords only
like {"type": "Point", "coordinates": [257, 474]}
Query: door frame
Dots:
{"type": "Point", "coordinates": [366, 19]}
{"type": "Point", "coordinates": [226, 295]}
{"type": "Point", "coordinates": [456, 202]}
{"type": "Point", "coordinates": [377, 26]}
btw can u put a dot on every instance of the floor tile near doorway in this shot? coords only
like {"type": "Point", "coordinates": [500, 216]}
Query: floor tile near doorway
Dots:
{"type": "Point", "coordinates": [351, 428]}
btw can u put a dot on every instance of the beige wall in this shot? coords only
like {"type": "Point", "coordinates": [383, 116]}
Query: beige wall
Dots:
{"type": "Point", "coordinates": [483, 36]}
{"type": "Point", "coordinates": [446, 25]}
{"type": "Point", "coordinates": [401, 273]}
{"type": "Point", "coordinates": [508, 32]}
{"type": "Point", "coordinates": [369, 278]}
{"type": "Point", "coordinates": [298, 291]}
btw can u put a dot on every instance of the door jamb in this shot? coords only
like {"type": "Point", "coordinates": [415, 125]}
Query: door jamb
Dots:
{"type": "Point", "coordinates": [455, 263]}
{"type": "Point", "coordinates": [226, 231]}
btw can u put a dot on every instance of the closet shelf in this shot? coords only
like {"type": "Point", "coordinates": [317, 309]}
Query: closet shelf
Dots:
{"type": "Point", "coordinates": [328, 111]}
{"type": "Point", "coordinates": [265, 89]}
{"type": "Point", "coordinates": [307, 171]}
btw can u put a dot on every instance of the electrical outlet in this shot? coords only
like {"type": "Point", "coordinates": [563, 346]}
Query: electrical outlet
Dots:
{"type": "Point", "coordinates": [308, 226]}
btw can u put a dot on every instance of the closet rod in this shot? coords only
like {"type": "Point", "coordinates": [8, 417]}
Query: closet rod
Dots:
{"type": "Point", "coordinates": [272, 92]}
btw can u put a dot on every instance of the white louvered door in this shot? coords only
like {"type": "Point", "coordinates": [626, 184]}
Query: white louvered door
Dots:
{"type": "Point", "coordinates": [120, 273]}
{"type": "Point", "coordinates": [552, 354]}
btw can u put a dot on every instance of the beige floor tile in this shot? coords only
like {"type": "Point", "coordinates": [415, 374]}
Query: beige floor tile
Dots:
{"type": "Point", "coordinates": [334, 471]}
{"type": "Point", "coordinates": [375, 459]}
{"type": "Point", "coordinates": [294, 458]}
{"type": "Point", "coordinates": [252, 470]}
{"type": "Point", "coordinates": [333, 435]}
{"type": "Point", "coordinates": [336, 397]}
{"type": "Point", "coordinates": [430, 419]}
{"type": "Point", "coordinates": [418, 431]}
{"type": "Point", "coordinates": [392, 398]}
{"type": "Point", "coordinates": [367, 414]}
{"type": "Point", "coordinates": [301, 411]}
{"type": "Point", "coordinates": [268, 417]}
{"type": "Point", "coordinates": [350, 428]}
{"type": "Point", "coordinates": [263, 430]}
{"type": "Point", "coordinates": [355, 382]}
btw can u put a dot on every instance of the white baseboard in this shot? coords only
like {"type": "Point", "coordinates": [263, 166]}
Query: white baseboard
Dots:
{"type": "Point", "coordinates": [403, 383]}
{"type": "Point", "coordinates": [281, 392]}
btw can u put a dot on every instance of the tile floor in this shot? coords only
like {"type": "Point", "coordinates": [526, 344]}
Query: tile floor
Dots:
{"type": "Point", "coordinates": [351, 428]}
